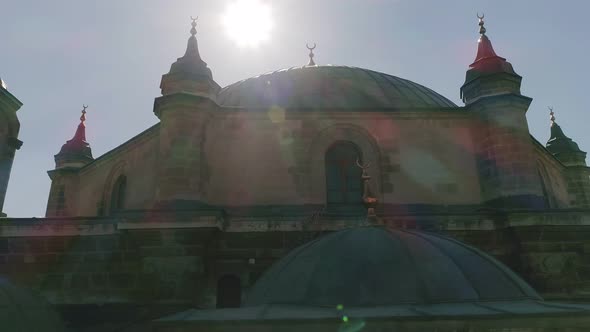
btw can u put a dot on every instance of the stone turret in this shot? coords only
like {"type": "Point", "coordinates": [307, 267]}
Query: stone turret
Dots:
{"type": "Point", "coordinates": [505, 155]}
{"type": "Point", "coordinates": [76, 152]}
{"type": "Point", "coordinates": [577, 174]}
{"type": "Point", "coordinates": [9, 142]}
{"type": "Point", "coordinates": [190, 74]}
{"type": "Point", "coordinates": [489, 74]}
{"type": "Point", "coordinates": [563, 147]}
{"type": "Point", "coordinates": [188, 99]}
{"type": "Point", "coordinates": [74, 155]}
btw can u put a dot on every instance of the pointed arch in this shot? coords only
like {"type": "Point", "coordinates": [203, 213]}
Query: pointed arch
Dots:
{"type": "Point", "coordinates": [546, 187]}
{"type": "Point", "coordinates": [343, 176]}
{"type": "Point", "coordinates": [368, 150]}
{"type": "Point", "coordinates": [118, 194]}
{"type": "Point", "coordinates": [115, 190]}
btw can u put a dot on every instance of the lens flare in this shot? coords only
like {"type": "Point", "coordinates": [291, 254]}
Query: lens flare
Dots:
{"type": "Point", "coordinates": [248, 22]}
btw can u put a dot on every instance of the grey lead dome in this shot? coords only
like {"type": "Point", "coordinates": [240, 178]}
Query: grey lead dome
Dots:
{"type": "Point", "coordinates": [331, 87]}
{"type": "Point", "coordinates": [375, 266]}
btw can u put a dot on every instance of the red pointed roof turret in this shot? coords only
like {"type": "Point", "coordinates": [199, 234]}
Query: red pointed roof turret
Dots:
{"type": "Point", "coordinates": [484, 45]}
{"type": "Point", "coordinates": [486, 58]}
{"type": "Point", "coordinates": [488, 65]}
{"type": "Point", "coordinates": [76, 152]}
{"type": "Point", "coordinates": [80, 134]}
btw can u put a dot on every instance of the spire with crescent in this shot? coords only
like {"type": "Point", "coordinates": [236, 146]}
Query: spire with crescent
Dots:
{"type": "Point", "coordinates": [561, 146]}
{"type": "Point", "coordinates": [189, 73]}
{"type": "Point", "coordinates": [76, 152]}
{"type": "Point", "coordinates": [485, 50]}
{"type": "Point", "coordinates": [311, 55]}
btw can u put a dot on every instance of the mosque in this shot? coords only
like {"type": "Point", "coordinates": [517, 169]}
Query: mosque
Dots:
{"type": "Point", "coordinates": [319, 197]}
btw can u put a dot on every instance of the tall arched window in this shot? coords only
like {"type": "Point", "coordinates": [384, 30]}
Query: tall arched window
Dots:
{"type": "Point", "coordinates": [118, 193]}
{"type": "Point", "coordinates": [229, 291]}
{"type": "Point", "coordinates": [60, 206]}
{"type": "Point", "coordinates": [343, 176]}
{"type": "Point", "coordinates": [546, 186]}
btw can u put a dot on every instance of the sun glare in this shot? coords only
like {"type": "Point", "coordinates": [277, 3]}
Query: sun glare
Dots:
{"type": "Point", "coordinates": [248, 22]}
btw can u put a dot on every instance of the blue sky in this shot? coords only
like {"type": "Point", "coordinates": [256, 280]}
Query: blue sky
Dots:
{"type": "Point", "coordinates": [57, 55]}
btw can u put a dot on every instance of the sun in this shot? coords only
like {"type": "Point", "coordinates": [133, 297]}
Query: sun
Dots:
{"type": "Point", "coordinates": [248, 22]}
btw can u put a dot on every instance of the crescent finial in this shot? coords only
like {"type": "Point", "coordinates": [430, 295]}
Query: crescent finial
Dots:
{"type": "Point", "coordinates": [83, 116]}
{"type": "Point", "coordinates": [480, 17]}
{"type": "Point", "coordinates": [367, 165]}
{"type": "Point", "coordinates": [194, 18]}
{"type": "Point", "coordinates": [311, 48]}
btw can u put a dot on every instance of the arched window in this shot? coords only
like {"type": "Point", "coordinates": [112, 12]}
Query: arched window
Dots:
{"type": "Point", "coordinates": [343, 176]}
{"type": "Point", "coordinates": [546, 186]}
{"type": "Point", "coordinates": [60, 206]}
{"type": "Point", "coordinates": [118, 193]}
{"type": "Point", "coordinates": [229, 291]}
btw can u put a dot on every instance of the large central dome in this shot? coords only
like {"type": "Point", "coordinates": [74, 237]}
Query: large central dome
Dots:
{"type": "Point", "coordinates": [375, 266]}
{"type": "Point", "coordinates": [331, 87]}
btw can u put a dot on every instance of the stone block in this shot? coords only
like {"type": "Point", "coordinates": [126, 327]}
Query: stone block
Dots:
{"type": "Point", "coordinates": [119, 280]}
{"type": "Point", "coordinates": [99, 280]}
{"type": "Point", "coordinates": [55, 244]}
{"type": "Point", "coordinates": [388, 187]}
{"type": "Point", "coordinates": [165, 251]}
{"type": "Point", "coordinates": [4, 246]}
{"type": "Point", "coordinates": [82, 244]}
{"type": "Point", "coordinates": [108, 243]}
{"type": "Point", "coordinates": [52, 281]}
{"type": "Point", "coordinates": [79, 281]}
{"type": "Point", "coordinates": [17, 245]}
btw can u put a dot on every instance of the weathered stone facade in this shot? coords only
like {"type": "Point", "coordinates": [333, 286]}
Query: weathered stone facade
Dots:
{"type": "Point", "coordinates": [176, 262]}
{"type": "Point", "coordinates": [232, 179]}
{"type": "Point", "coordinates": [9, 142]}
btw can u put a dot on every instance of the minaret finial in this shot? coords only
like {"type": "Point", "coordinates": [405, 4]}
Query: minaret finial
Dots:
{"type": "Point", "coordinates": [368, 198]}
{"type": "Point", "coordinates": [482, 29]}
{"type": "Point", "coordinates": [194, 24]}
{"type": "Point", "coordinates": [551, 114]}
{"type": "Point", "coordinates": [311, 55]}
{"type": "Point", "coordinates": [83, 116]}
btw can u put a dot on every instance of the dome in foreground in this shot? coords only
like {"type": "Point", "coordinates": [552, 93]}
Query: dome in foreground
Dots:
{"type": "Point", "coordinates": [376, 266]}
{"type": "Point", "coordinates": [331, 87]}
{"type": "Point", "coordinates": [21, 311]}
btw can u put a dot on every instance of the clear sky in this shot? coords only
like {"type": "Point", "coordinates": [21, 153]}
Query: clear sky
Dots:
{"type": "Point", "coordinates": [110, 54]}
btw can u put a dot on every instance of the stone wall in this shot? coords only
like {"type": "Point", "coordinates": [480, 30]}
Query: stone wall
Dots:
{"type": "Point", "coordinates": [277, 157]}
{"type": "Point", "coordinates": [578, 185]}
{"type": "Point", "coordinates": [136, 159]}
{"type": "Point", "coordinates": [179, 260]}
{"type": "Point", "coordinates": [553, 174]}
{"type": "Point", "coordinates": [505, 155]}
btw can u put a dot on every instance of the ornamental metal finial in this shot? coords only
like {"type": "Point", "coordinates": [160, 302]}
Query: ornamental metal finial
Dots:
{"type": "Point", "coordinates": [551, 114]}
{"type": "Point", "coordinates": [311, 55]}
{"type": "Point", "coordinates": [194, 24]}
{"type": "Point", "coordinates": [368, 198]}
{"type": "Point", "coordinates": [83, 116]}
{"type": "Point", "coordinates": [482, 29]}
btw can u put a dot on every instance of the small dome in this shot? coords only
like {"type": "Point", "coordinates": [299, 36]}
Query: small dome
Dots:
{"type": "Point", "coordinates": [21, 311]}
{"type": "Point", "coordinates": [325, 87]}
{"type": "Point", "coordinates": [376, 266]}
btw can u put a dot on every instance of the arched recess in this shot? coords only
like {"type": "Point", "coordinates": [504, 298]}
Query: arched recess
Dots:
{"type": "Point", "coordinates": [229, 291]}
{"type": "Point", "coordinates": [118, 194]}
{"type": "Point", "coordinates": [116, 184]}
{"type": "Point", "coordinates": [343, 176]}
{"type": "Point", "coordinates": [546, 186]}
{"type": "Point", "coordinates": [368, 149]}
